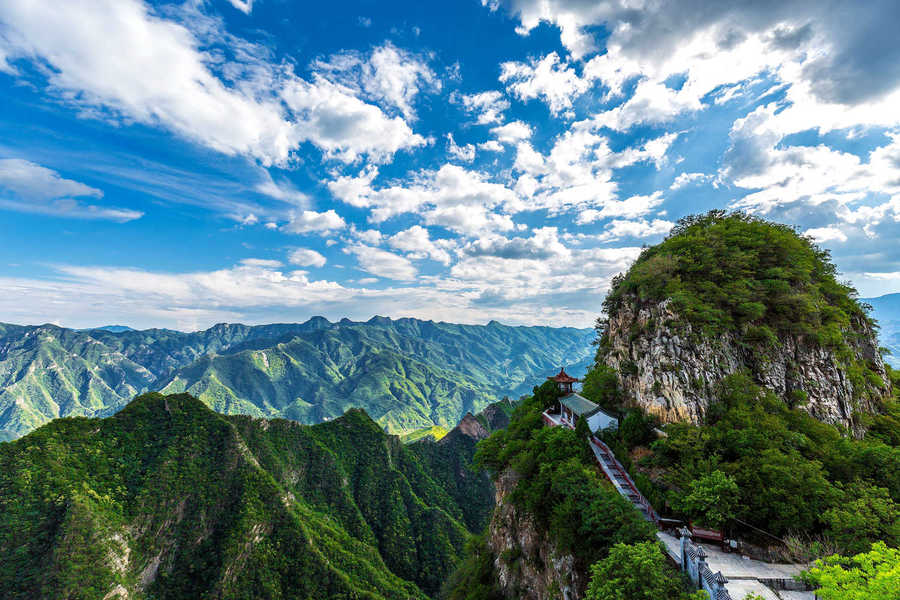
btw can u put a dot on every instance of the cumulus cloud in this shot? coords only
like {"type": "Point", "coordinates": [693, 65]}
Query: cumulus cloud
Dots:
{"type": "Point", "coordinates": [389, 76]}
{"type": "Point", "coordinates": [29, 187]}
{"type": "Point", "coordinates": [488, 107]}
{"type": "Point", "coordinates": [417, 243]}
{"type": "Point", "coordinates": [465, 153]}
{"type": "Point", "coordinates": [512, 133]}
{"type": "Point", "coordinates": [785, 176]}
{"type": "Point", "coordinates": [621, 228]}
{"type": "Point", "coordinates": [310, 221]}
{"type": "Point", "coordinates": [304, 257]}
{"type": "Point", "coordinates": [383, 263]}
{"type": "Point", "coordinates": [458, 199]}
{"type": "Point", "coordinates": [834, 55]}
{"type": "Point", "coordinates": [251, 106]}
{"type": "Point", "coordinates": [550, 79]}
{"type": "Point", "coordinates": [826, 234]}
{"type": "Point", "coordinates": [578, 171]}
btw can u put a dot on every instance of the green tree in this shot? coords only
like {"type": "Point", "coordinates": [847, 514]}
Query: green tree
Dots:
{"type": "Point", "coordinates": [874, 575]}
{"type": "Point", "coordinates": [866, 513]}
{"type": "Point", "coordinates": [601, 386]}
{"type": "Point", "coordinates": [637, 572]}
{"type": "Point", "coordinates": [711, 499]}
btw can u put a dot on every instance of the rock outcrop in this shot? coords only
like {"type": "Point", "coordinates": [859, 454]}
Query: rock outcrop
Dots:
{"type": "Point", "coordinates": [527, 564]}
{"type": "Point", "coordinates": [671, 371]}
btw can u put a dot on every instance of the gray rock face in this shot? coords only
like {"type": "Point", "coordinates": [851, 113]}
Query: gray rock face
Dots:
{"type": "Point", "coordinates": [527, 564]}
{"type": "Point", "coordinates": [670, 372]}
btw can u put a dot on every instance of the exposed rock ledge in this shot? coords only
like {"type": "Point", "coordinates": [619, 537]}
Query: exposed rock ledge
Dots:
{"type": "Point", "coordinates": [669, 373]}
{"type": "Point", "coordinates": [527, 564]}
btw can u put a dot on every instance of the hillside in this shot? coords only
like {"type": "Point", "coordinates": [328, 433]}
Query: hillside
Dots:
{"type": "Point", "coordinates": [167, 499]}
{"type": "Point", "coordinates": [407, 374]}
{"type": "Point", "coordinates": [724, 294]}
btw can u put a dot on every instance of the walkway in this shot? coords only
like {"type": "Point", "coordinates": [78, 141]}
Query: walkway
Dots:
{"type": "Point", "coordinates": [744, 574]}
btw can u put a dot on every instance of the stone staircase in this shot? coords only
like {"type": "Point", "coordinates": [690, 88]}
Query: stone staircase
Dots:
{"type": "Point", "coordinates": [620, 479]}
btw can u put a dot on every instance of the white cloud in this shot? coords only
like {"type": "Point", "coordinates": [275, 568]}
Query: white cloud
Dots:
{"type": "Point", "coordinates": [488, 107]}
{"type": "Point", "coordinates": [344, 126]}
{"type": "Point", "coordinates": [304, 257]}
{"type": "Point", "coordinates": [29, 187]}
{"type": "Point", "coordinates": [390, 76]}
{"type": "Point", "coordinates": [283, 190]}
{"type": "Point", "coordinates": [262, 263]}
{"type": "Point", "coordinates": [310, 221]}
{"type": "Point", "coordinates": [465, 153]}
{"type": "Point", "coordinates": [122, 59]}
{"type": "Point", "coordinates": [840, 71]}
{"type": "Point", "coordinates": [578, 171]}
{"type": "Point", "coordinates": [452, 197]}
{"type": "Point", "coordinates": [245, 6]}
{"type": "Point", "coordinates": [549, 79]}
{"type": "Point", "coordinates": [512, 133]}
{"type": "Point", "coordinates": [686, 179]}
{"type": "Point", "coordinates": [383, 263]}
{"type": "Point", "coordinates": [630, 208]}
{"type": "Point", "coordinates": [835, 183]}
{"type": "Point", "coordinates": [635, 229]}
{"type": "Point", "coordinates": [416, 242]}
{"type": "Point", "coordinates": [491, 146]}
{"type": "Point", "coordinates": [823, 235]}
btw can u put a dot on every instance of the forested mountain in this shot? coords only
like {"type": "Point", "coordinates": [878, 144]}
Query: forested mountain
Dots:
{"type": "Point", "coordinates": [406, 373]}
{"type": "Point", "coordinates": [168, 499]}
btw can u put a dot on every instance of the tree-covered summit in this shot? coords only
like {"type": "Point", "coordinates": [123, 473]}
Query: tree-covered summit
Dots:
{"type": "Point", "coordinates": [737, 272]}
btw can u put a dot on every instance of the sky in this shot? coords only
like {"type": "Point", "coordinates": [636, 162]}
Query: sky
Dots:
{"type": "Point", "coordinates": [182, 164]}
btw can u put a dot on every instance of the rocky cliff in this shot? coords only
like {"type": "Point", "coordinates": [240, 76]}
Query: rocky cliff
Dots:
{"type": "Point", "coordinates": [670, 370]}
{"type": "Point", "coordinates": [527, 565]}
{"type": "Point", "coordinates": [731, 292]}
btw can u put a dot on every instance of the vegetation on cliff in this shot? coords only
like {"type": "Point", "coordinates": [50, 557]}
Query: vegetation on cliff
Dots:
{"type": "Point", "coordinates": [560, 488]}
{"type": "Point", "coordinates": [774, 467]}
{"type": "Point", "coordinates": [168, 500]}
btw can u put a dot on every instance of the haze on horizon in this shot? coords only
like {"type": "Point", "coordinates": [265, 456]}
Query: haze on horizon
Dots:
{"type": "Point", "coordinates": [183, 164]}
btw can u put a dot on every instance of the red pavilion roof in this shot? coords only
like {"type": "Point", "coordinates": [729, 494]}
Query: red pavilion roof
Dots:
{"type": "Point", "coordinates": [563, 377]}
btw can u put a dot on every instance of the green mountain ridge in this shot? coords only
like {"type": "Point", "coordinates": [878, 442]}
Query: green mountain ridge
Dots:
{"type": "Point", "coordinates": [408, 374]}
{"type": "Point", "coordinates": [167, 499]}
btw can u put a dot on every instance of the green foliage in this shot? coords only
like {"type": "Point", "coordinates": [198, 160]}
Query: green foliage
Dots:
{"type": "Point", "coordinates": [711, 499]}
{"type": "Point", "coordinates": [601, 386]}
{"type": "Point", "coordinates": [475, 578]}
{"type": "Point", "coordinates": [793, 473]}
{"type": "Point", "coordinates": [873, 575]}
{"type": "Point", "coordinates": [196, 504]}
{"type": "Point", "coordinates": [637, 572]}
{"type": "Point", "coordinates": [636, 429]}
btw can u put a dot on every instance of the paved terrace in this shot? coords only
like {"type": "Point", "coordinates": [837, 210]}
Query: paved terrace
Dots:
{"type": "Point", "coordinates": [744, 575]}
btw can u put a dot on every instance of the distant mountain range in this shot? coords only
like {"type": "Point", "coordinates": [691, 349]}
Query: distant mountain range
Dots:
{"type": "Point", "coordinates": [887, 310]}
{"type": "Point", "coordinates": [407, 374]}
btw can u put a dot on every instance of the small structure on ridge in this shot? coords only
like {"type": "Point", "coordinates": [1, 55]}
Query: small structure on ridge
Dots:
{"type": "Point", "coordinates": [572, 406]}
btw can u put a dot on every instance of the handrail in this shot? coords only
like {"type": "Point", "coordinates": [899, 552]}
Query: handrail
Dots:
{"type": "Point", "coordinates": [654, 516]}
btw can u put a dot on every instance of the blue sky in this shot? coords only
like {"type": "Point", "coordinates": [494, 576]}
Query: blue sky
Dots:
{"type": "Point", "coordinates": [182, 164]}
